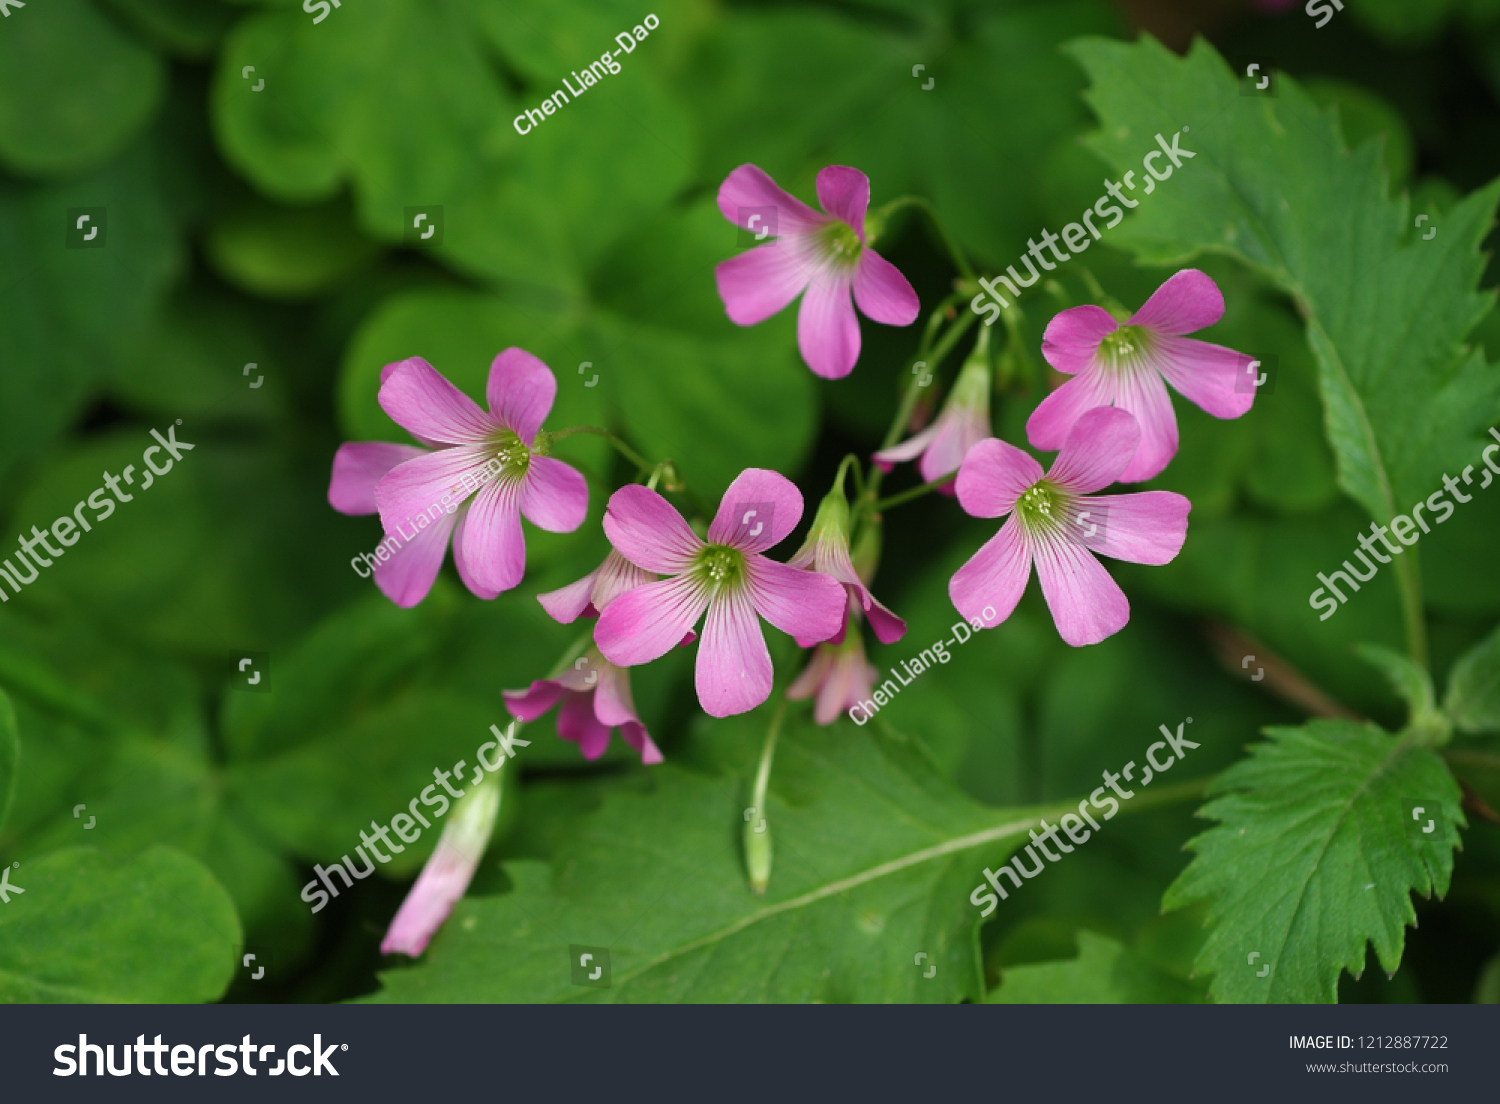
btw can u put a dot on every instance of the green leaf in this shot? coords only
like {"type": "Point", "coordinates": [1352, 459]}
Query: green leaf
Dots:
{"type": "Point", "coordinates": [1355, 278]}
{"type": "Point", "coordinates": [10, 755]}
{"type": "Point", "coordinates": [91, 927]}
{"type": "Point", "coordinates": [875, 859]}
{"type": "Point", "coordinates": [1473, 698]}
{"type": "Point", "coordinates": [1410, 681]}
{"type": "Point", "coordinates": [1103, 973]}
{"type": "Point", "coordinates": [74, 90]}
{"type": "Point", "coordinates": [1316, 852]}
{"type": "Point", "coordinates": [189, 28]}
{"type": "Point", "coordinates": [287, 252]}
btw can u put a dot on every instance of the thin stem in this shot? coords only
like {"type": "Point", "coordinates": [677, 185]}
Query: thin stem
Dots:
{"type": "Point", "coordinates": [625, 450]}
{"type": "Point", "coordinates": [757, 825]}
{"type": "Point", "coordinates": [909, 400]}
{"type": "Point", "coordinates": [959, 260]}
{"type": "Point", "coordinates": [911, 493]}
{"type": "Point", "coordinates": [1409, 584]}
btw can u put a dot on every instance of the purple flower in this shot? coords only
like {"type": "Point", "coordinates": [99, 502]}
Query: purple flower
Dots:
{"type": "Point", "coordinates": [838, 674]}
{"type": "Point", "coordinates": [1056, 523]}
{"type": "Point", "coordinates": [727, 576]}
{"type": "Point", "coordinates": [1115, 365]}
{"type": "Point", "coordinates": [484, 472]}
{"type": "Point", "coordinates": [825, 255]}
{"type": "Point", "coordinates": [596, 699]}
{"type": "Point", "coordinates": [963, 422]}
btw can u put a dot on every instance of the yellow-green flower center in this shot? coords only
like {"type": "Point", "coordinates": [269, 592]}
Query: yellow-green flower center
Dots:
{"type": "Point", "coordinates": [842, 242]}
{"type": "Point", "coordinates": [513, 456]}
{"type": "Point", "coordinates": [1124, 346]}
{"type": "Point", "coordinates": [1043, 506]}
{"type": "Point", "coordinates": [720, 566]}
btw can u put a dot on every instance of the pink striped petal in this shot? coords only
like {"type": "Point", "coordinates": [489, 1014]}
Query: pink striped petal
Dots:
{"type": "Point", "coordinates": [357, 467]}
{"type": "Point", "coordinates": [827, 330]}
{"type": "Point", "coordinates": [845, 194]}
{"type": "Point", "coordinates": [554, 496]}
{"type": "Point", "coordinates": [1189, 301]}
{"type": "Point", "coordinates": [1143, 393]}
{"type": "Point", "coordinates": [882, 293]}
{"type": "Point", "coordinates": [649, 621]}
{"type": "Point", "coordinates": [1144, 528]}
{"type": "Point", "coordinates": [994, 577]}
{"type": "Point", "coordinates": [612, 700]}
{"type": "Point", "coordinates": [993, 476]}
{"type": "Point", "coordinates": [616, 575]}
{"type": "Point", "coordinates": [777, 506]}
{"type": "Point", "coordinates": [1048, 426]}
{"type": "Point", "coordinates": [1216, 379]}
{"type": "Point", "coordinates": [909, 449]}
{"type": "Point", "coordinates": [536, 699]}
{"type": "Point", "coordinates": [637, 737]}
{"type": "Point", "coordinates": [958, 430]}
{"type": "Point", "coordinates": [1098, 448]}
{"type": "Point", "coordinates": [421, 401]}
{"type": "Point", "coordinates": [408, 575]}
{"type": "Point", "coordinates": [444, 878]}
{"type": "Point", "coordinates": [763, 281]}
{"type": "Point", "coordinates": [850, 680]}
{"type": "Point", "coordinates": [576, 722]}
{"type": "Point", "coordinates": [1086, 603]}
{"type": "Point", "coordinates": [1072, 338]}
{"type": "Point", "coordinates": [490, 549]}
{"type": "Point", "coordinates": [421, 484]}
{"type": "Point", "coordinates": [520, 392]}
{"type": "Point", "coordinates": [805, 604]}
{"type": "Point", "coordinates": [734, 668]}
{"type": "Point", "coordinates": [647, 531]}
{"type": "Point", "coordinates": [567, 604]}
{"type": "Point", "coordinates": [888, 627]}
{"type": "Point", "coordinates": [749, 186]}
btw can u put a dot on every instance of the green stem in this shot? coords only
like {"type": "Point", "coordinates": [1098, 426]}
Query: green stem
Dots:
{"type": "Point", "coordinates": [625, 450]}
{"type": "Point", "coordinates": [959, 260]}
{"type": "Point", "coordinates": [909, 400]}
{"type": "Point", "coordinates": [1409, 584]}
{"type": "Point", "coordinates": [911, 493]}
{"type": "Point", "coordinates": [758, 827]}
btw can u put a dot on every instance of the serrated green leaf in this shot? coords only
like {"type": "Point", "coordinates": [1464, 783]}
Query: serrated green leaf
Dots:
{"type": "Point", "coordinates": [1473, 698]}
{"type": "Point", "coordinates": [91, 927]}
{"type": "Point", "coordinates": [1103, 973]}
{"type": "Point", "coordinates": [1317, 851]}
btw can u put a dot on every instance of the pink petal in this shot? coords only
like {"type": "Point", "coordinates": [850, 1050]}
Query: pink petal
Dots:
{"type": "Point", "coordinates": [536, 699]}
{"type": "Point", "coordinates": [888, 627]}
{"type": "Point", "coordinates": [749, 186]}
{"type": "Point", "coordinates": [357, 467]}
{"type": "Point", "coordinates": [422, 402]}
{"type": "Point", "coordinates": [444, 878]}
{"type": "Point", "coordinates": [616, 575]}
{"type": "Point", "coordinates": [805, 604]}
{"type": "Point", "coordinates": [649, 621]}
{"type": "Point", "coordinates": [845, 194]}
{"type": "Point", "coordinates": [1048, 426]}
{"type": "Point", "coordinates": [637, 737]}
{"type": "Point", "coordinates": [1073, 337]}
{"type": "Point", "coordinates": [958, 431]}
{"type": "Point", "coordinates": [554, 496]}
{"type": "Point", "coordinates": [576, 722]}
{"type": "Point", "coordinates": [1143, 394]}
{"type": "Point", "coordinates": [612, 701]}
{"type": "Point", "coordinates": [777, 506]}
{"type": "Point", "coordinates": [827, 330]}
{"type": "Point", "coordinates": [1217, 379]}
{"type": "Point", "coordinates": [490, 549]}
{"type": "Point", "coordinates": [1086, 603]}
{"type": "Point", "coordinates": [421, 484]}
{"type": "Point", "coordinates": [520, 392]}
{"type": "Point", "coordinates": [909, 449]}
{"type": "Point", "coordinates": [812, 677]}
{"type": "Point", "coordinates": [734, 667]}
{"type": "Point", "coordinates": [993, 476]}
{"type": "Point", "coordinates": [647, 531]}
{"type": "Point", "coordinates": [1187, 302]}
{"type": "Point", "coordinates": [850, 680]}
{"type": "Point", "coordinates": [762, 281]}
{"type": "Point", "coordinates": [994, 577]}
{"type": "Point", "coordinates": [567, 604]}
{"type": "Point", "coordinates": [882, 293]}
{"type": "Point", "coordinates": [1098, 448]}
{"type": "Point", "coordinates": [408, 575]}
{"type": "Point", "coordinates": [1144, 528]}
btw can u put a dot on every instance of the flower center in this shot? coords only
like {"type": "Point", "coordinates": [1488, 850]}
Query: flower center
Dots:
{"type": "Point", "coordinates": [720, 566]}
{"type": "Point", "coordinates": [512, 456]}
{"type": "Point", "coordinates": [1042, 507]}
{"type": "Point", "coordinates": [1124, 346]}
{"type": "Point", "coordinates": [842, 242]}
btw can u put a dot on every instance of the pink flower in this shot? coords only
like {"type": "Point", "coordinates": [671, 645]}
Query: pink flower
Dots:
{"type": "Point", "coordinates": [1056, 523]}
{"type": "Point", "coordinates": [838, 674]}
{"type": "Point", "coordinates": [1114, 365]}
{"type": "Point", "coordinates": [963, 422]}
{"type": "Point", "coordinates": [596, 699]}
{"type": "Point", "coordinates": [825, 255]}
{"type": "Point", "coordinates": [827, 550]}
{"type": "Point", "coordinates": [499, 458]}
{"type": "Point", "coordinates": [447, 873]}
{"type": "Point", "coordinates": [594, 591]}
{"type": "Point", "coordinates": [727, 576]}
